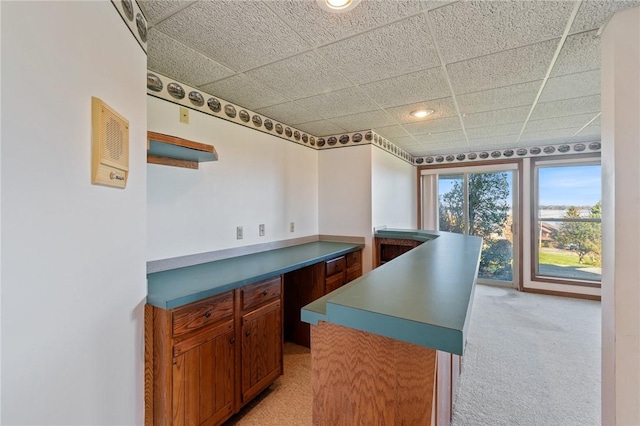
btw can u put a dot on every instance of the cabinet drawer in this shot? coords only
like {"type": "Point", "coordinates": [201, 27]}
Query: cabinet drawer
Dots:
{"type": "Point", "coordinates": [333, 283]}
{"type": "Point", "coordinates": [335, 266]}
{"type": "Point", "coordinates": [354, 258]}
{"type": "Point", "coordinates": [353, 273]}
{"type": "Point", "coordinates": [261, 292]}
{"type": "Point", "coordinates": [200, 314]}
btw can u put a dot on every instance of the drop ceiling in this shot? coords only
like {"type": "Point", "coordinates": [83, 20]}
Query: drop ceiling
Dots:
{"type": "Point", "coordinates": [498, 74]}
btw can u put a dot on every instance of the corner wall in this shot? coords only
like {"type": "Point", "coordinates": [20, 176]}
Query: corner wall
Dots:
{"type": "Point", "coordinates": [73, 254]}
{"type": "Point", "coordinates": [258, 179]}
{"type": "Point", "coordinates": [620, 226]}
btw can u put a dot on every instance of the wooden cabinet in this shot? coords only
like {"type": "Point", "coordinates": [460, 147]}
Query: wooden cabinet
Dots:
{"type": "Point", "coordinates": [335, 274]}
{"type": "Point", "coordinates": [261, 334]}
{"type": "Point", "coordinates": [354, 265]}
{"type": "Point", "coordinates": [389, 248]}
{"type": "Point", "coordinates": [205, 360]}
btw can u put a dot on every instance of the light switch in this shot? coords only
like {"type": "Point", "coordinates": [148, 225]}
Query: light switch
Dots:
{"type": "Point", "coordinates": [184, 115]}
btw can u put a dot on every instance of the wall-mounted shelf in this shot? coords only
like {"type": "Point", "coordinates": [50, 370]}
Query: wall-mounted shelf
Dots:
{"type": "Point", "coordinates": [173, 151]}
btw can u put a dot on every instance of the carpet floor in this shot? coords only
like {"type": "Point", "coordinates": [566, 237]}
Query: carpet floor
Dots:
{"type": "Point", "coordinates": [530, 360]}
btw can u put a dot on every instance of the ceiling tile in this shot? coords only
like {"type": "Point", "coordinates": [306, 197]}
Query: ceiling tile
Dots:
{"type": "Point", "coordinates": [288, 112]}
{"type": "Point", "coordinates": [467, 30]}
{"type": "Point", "coordinates": [363, 121]}
{"type": "Point", "coordinates": [501, 130]}
{"type": "Point", "coordinates": [400, 48]}
{"type": "Point", "coordinates": [504, 97]}
{"type": "Point", "coordinates": [244, 92]}
{"type": "Point", "coordinates": [588, 134]}
{"type": "Point", "coordinates": [453, 147]}
{"type": "Point", "coordinates": [391, 132]}
{"type": "Point", "coordinates": [301, 76]}
{"type": "Point", "coordinates": [156, 9]}
{"type": "Point", "coordinates": [435, 138]}
{"type": "Point", "coordinates": [170, 57]}
{"type": "Point", "coordinates": [593, 13]}
{"type": "Point", "coordinates": [587, 104]}
{"type": "Point", "coordinates": [409, 88]}
{"type": "Point", "coordinates": [320, 128]}
{"type": "Point", "coordinates": [443, 107]}
{"type": "Point", "coordinates": [493, 142]}
{"type": "Point", "coordinates": [571, 86]}
{"type": "Point", "coordinates": [547, 137]}
{"type": "Point", "coordinates": [570, 121]}
{"type": "Point", "coordinates": [433, 126]}
{"type": "Point", "coordinates": [434, 4]}
{"type": "Point", "coordinates": [319, 27]}
{"type": "Point", "coordinates": [406, 142]}
{"type": "Point", "coordinates": [581, 52]}
{"type": "Point", "coordinates": [341, 102]}
{"type": "Point", "coordinates": [240, 35]}
{"type": "Point", "coordinates": [494, 118]}
{"type": "Point", "coordinates": [503, 68]}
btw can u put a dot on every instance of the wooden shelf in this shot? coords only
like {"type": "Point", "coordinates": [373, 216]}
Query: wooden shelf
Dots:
{"type": "Point", "coordinates": [177, 152]}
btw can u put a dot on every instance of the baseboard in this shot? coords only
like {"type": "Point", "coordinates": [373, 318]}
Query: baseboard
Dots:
{"type": "Point", "coordinates": [562, 294]}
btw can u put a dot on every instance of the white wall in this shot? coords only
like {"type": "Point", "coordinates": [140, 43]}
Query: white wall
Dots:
{"type": "Point", "coordinates": [258, 179]}
{"type": "Point", "coordinates": [73, 254]}
{"type": "Point", "coordinates": [393, 191]}
{"type": "Point", "coordinates": [620, 226]}
{"type": "Point", "coordinates": [345, 195]}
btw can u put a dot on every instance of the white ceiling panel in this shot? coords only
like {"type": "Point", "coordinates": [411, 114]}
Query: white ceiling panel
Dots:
{"type": "Point", "coordinates": [409, 88]}
{"type": "Point", "coordinates": [588, 134]}
{"type": "Point", "coordinates": [391, 132]}
{"type": "Point", "coordinates": [497, 117]}
{"type": "Point", "coordinates": [454, 147]}
{"type": "Point", "coordinates": [570, 121]}
{"type": "Point", "coordinates": [587, 104]}
{"type": "Point", "coordinates": [593, 13]}
{"type": "Point", "coordinates": [244, 91]}
{"type": "Point", "coordinates": [501, 130]}
{"type": "Point", "coordinates": [442, 108]}
{"type": "Point", "coordinates": [547, 137]}
{"type": "Point", "coordinates": [433, 126]}
{"type": "Point", "coordinates": [319, 27]}
{"type": "Point", "coordinates": [300, 76]}
{"type": "Point", "coordinates": [504, 97]}
{"type": "Point", "coordinates": [320, 128]}
{"type": "Point", "coordinates": [580, 52]}
{"type": "Point", "coordinates": [571, 86]}
{"type": "Point", "coordinates": [170, 57]}
{"type": "Point", "coordinates": [288, 112]}
{"type": "Point", "coordinates": [500, 69]}
{"type": "Point", "coordinates": [240, 35]}
{"type": "Point", "coordinates": [400, 48]}
{"type": "Point", "coordinates": [493, 142]}
{"type": "Point", "coordinates": [364, 121]}
{"type": "Point", "coordinates": [467, 30]}
{"type": "Point", "coordinates": [435, 138]}
{"type": "Point", "coordinates": [154, 10]}
{"type": "Point", "coordinates": [341, 102]}
{"type": "Point", "coordinates": [406, 142]}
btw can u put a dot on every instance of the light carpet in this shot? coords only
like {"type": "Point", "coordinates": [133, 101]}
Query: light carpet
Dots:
{"type": "Point", "coordinates": [530, 360]}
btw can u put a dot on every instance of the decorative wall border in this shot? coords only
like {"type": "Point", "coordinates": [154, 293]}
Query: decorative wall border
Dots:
{"type": "Point", "coordinates": [165, 88]}
{"type": "Point", "coordinates": [391, 148]}
{"type": "Point", "coordinates": [536, 151]}
{"type": "Point", "coordinates": [132, 15]}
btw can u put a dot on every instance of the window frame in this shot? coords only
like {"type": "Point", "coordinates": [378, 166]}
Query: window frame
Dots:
{"type": "Point", "coordinates": [559, 161]}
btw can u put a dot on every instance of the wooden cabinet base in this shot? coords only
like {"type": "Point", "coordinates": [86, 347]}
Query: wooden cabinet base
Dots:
{"type": "Point", "coordinates": [367, 379]}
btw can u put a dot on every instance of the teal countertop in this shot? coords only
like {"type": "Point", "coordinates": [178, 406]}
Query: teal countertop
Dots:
{"type": "Point", "coordinates": [177, 287]}
{"type": "Point", "coordinates": [422, 297]}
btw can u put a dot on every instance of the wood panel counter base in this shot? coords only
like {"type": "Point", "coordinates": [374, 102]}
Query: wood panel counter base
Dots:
{"type": "Point", "coordinates": [367, 379]}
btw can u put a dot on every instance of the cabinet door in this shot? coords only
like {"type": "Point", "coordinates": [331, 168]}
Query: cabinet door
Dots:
{"type": "Point", "coordinates": [203, 382]}
{"type": "Point", "coordinates": [261, 349]}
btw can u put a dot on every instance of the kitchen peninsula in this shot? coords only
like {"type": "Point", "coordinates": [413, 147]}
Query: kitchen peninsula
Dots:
{"type": "Point", "coordinates": [386, 348]}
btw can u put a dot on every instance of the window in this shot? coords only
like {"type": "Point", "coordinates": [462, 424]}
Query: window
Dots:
{"type": "Point", "coordinates": [568, 232]}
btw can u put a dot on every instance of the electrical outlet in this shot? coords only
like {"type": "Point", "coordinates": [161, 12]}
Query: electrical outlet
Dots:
{"type": "Point", "coordinates": [239, 233]}
{"type": "Point", "coordinates": [184, 115]}
{"type": "Point", "coordinates": [261, 229]}
{"type": "Point", "coordinates": [292, 227]}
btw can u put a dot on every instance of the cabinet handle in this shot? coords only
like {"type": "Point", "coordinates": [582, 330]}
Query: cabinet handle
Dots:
{"type": "Point", "coordinates": [247, 333]}
{"type": "Point", "coordinates": [207, 314]}
{"type": "Point", "coordinates": [264, 293]}
{"type": "Point", "coordinates": [233, 340]}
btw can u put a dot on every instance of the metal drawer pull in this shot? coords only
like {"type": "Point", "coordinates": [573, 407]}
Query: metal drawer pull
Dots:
{"type": "Point", "coordinates": [248, 333]}
{"type": "Point", "coordinates": [264, 293]}
{"type": "Point", "coordinates": [207, 314]}
{"type": "Point", "coordinates": [233, 340]}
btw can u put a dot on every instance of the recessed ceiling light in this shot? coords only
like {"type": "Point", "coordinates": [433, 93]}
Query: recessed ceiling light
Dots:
{"type": "Point", "coordinates": [337, 6]}
{"type": "Point", "coordinates": [421, 113]}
